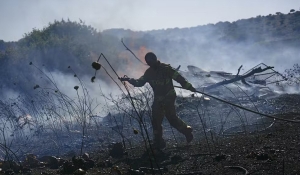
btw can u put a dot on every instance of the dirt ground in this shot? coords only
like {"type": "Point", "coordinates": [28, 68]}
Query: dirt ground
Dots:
{"type": "Point", "coordinates": [273, 151]}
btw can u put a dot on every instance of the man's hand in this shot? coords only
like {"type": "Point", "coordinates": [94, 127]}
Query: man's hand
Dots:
{"type": "Point", "coordinates": [192, 89]}
{"type": "Point", "coordinates": [130, 80]}
{"type": "Point", "coordinates": [124, 79]}
{"type": "Point", "coordinates": [189, 86]}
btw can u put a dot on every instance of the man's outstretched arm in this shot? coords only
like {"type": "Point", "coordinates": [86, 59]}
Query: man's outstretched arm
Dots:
{"type": "Point", "coordinates": [181, 80]}
{"type": "Point", "coordinates": [138, 82]}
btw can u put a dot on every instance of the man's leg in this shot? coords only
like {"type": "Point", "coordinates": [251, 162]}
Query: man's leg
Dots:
{"type": "Point", "coordinates": [176, 122]}
{"type": "Point", "coordinates": [157, 118]}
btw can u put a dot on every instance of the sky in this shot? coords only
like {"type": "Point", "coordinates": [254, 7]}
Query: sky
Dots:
{"type": "Point", "coordinates": [18, 17]}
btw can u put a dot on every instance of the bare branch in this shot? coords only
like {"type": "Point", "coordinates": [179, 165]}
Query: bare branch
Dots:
{"type": "Point", "coordinates": [132, 52]}
{"type": "Point", "coordinates": [238, 78]}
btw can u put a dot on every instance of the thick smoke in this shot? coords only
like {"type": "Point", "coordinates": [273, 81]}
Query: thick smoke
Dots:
{"type": "Point", "coordinates": [215, 47]}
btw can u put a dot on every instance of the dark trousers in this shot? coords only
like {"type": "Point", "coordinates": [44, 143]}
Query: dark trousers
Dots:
{"type": "Point", "coordinates": [166, 108]}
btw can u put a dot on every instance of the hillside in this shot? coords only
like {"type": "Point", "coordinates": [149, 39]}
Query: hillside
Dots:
{"type": "Point", "coordinates": [52, 115]}
{"type": "Point", "coordinates": [257, 29]}
{"type": "Point", "coordinates": [66, 43]}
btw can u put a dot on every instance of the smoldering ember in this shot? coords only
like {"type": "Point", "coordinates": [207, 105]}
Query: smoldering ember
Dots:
{"type": "Point", "coordinates": [65, 111]}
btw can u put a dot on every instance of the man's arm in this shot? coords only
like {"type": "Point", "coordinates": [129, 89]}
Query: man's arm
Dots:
{"type": "Point", "coordinates": [138, 82]}
{"type": "Point", "coordinates": [180, 79]}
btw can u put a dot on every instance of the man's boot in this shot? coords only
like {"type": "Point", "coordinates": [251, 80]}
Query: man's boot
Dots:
{"type": "Point", "coordinates": [188, 134]}
{"type": "Point", "coordinates": [159, 144]}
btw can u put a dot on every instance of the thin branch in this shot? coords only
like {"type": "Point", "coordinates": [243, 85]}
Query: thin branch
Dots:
{"type": "Point", "coordinates": [132, 52]}
{"type": "Point", "coordinates": [239, 71]}
{"type": "Point", "coordinates": [241, 107]}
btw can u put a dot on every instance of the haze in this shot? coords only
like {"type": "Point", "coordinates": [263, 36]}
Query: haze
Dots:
{"type": "Point", "coordinates": [19, 17]}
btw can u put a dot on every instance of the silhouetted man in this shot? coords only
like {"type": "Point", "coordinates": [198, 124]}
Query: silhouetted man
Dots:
{"type": "Point", "coordinates": [159, 75]}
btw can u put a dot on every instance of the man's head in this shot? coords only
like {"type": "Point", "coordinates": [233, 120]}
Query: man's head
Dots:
{"type": "Point", "coordinates": [151, 59]}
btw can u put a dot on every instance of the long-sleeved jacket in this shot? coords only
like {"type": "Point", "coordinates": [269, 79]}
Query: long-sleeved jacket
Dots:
{"type": "Point", "coordinates": [160, 79]}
